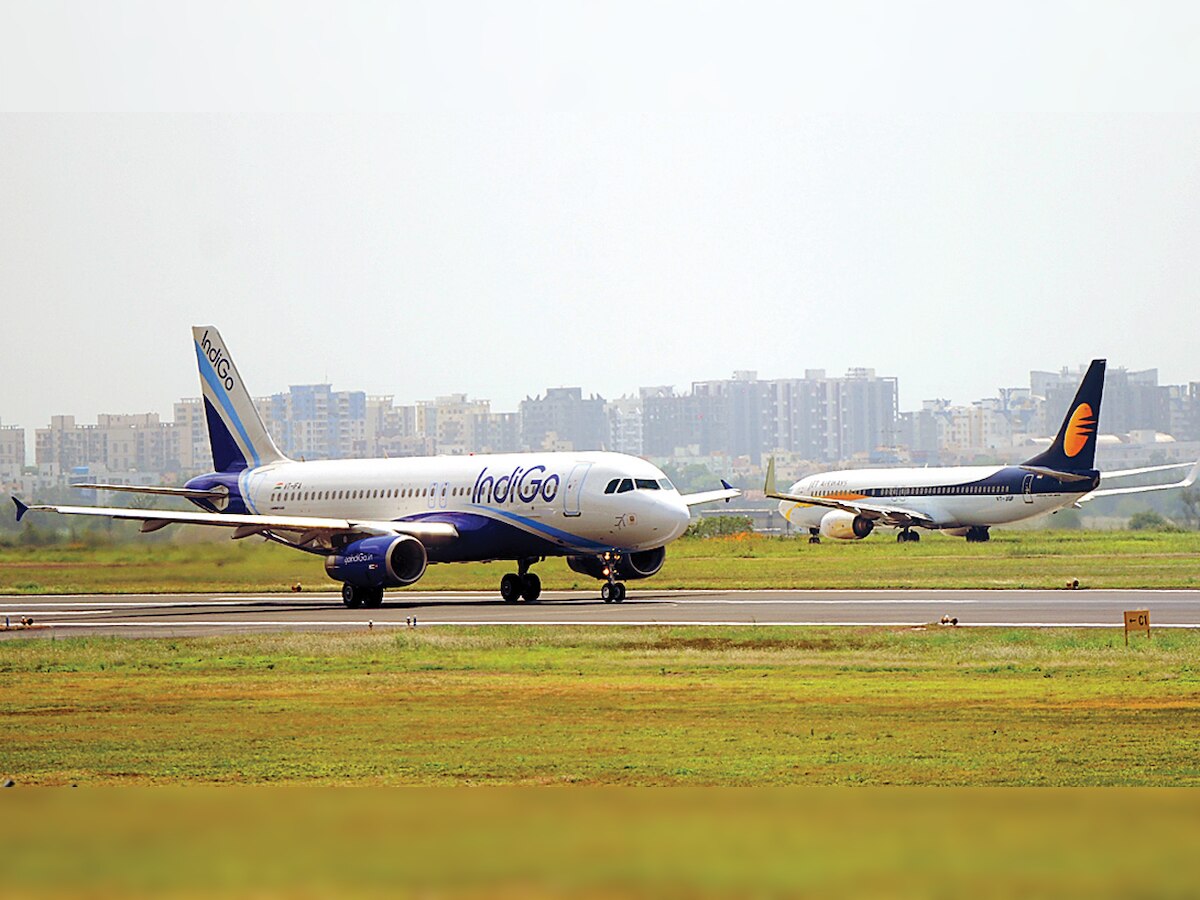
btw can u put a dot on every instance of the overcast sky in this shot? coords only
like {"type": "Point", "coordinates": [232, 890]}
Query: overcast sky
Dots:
{"type": "Point", "coordinates": [417, 199]}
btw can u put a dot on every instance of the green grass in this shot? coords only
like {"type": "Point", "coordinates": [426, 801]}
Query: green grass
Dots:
{"type": "Point", "coordinates": [617, 706]}
{"type": "Point", "coordinates": [1012, 559]}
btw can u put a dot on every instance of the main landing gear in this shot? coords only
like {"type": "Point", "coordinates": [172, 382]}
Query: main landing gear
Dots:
{"type": "Point", "coordinates": [977, 534]}
{"type": "Point", "coordinates": [354, 596]}
{"type": "Point", "coordinates": [814, 535]}
{"type": "Point", "coordinates": [522, 583]}
{"type": "Point", "coordinates": [612, 591]}
{"type": "Point", "coordinates": [906, 535]}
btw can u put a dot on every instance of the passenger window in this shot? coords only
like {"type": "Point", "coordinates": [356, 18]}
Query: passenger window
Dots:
{"type": "Point", "coordinates": [626, 485]}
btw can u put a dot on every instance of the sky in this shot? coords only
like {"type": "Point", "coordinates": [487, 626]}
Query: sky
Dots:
{"type": "Point", "coordinates": [419, 199]}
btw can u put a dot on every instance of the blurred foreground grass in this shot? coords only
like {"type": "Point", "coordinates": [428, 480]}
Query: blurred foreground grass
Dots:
{"type": "Point", "coordinates": [1012, 559]}
{"type": "Point", "coordinates": [598, 842]}
{"type": "Point", "coordinates": [739, 706]}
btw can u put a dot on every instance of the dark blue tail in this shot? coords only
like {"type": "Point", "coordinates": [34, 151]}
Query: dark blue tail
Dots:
{"type": "Point", "coordinates": [1074, 450]}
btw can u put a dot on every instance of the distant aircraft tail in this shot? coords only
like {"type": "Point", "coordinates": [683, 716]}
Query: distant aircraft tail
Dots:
{"type": "Point", "coordinates": [237, 435]}
{"type": "Point", "coordinates": [1074, 450]}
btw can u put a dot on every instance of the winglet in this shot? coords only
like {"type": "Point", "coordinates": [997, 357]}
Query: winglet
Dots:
{"type": "Point", "coordinates": [769, 485]}
{"type": "Point", "coordinates": [729, 487]}
{"type": "Point", "coordinates": [21, 508]}
{"type": "Point", "coordinates": [1190, 479]}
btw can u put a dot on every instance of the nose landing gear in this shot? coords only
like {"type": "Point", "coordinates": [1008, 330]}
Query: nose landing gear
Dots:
{"type": "Point", "coordinates": [612, 591]}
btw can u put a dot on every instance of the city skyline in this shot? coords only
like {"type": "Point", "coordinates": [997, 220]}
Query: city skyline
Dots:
{"type": "Point", "coordinates": [815, 417]}
{"type": "Point", "coordinates": [166, 407]}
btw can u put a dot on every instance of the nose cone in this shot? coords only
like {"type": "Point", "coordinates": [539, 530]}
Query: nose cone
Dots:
{"type": "Point", "coordinates": [679, 516]}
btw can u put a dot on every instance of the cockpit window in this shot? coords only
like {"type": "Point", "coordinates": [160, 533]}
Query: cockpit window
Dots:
{"type": "Point", "coordinates": [646, 484]}
{"type": "Point", "coordinates": [626, 485]}
{"type": "Point", "coordinates": [665, 484]}
{"type": "Point", "coordinates": [612, 486]}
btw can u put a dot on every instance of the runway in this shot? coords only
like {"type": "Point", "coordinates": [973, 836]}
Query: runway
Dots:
{"type": "Point", "coordinates": [162, 615]}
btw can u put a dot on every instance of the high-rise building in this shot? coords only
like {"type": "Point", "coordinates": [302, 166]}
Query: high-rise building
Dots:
{"type": "Point", "coordinates": [12, 452]}
{"type": "Point", "coordinates": [120, 443]}
{"type": "Point", "coordinates": [1132, 400]}
{"type": "Point", "coordinates": [625, 425]}
{"type": "Point", "coordinates": [565, 419]}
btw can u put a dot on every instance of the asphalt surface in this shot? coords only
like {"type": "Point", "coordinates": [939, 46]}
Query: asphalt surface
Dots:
{"type": "Point", "coordinates": [163, 615]}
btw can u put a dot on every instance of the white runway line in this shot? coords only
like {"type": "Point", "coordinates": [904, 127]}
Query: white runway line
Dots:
{"type": "Point", "coordinates": [39, 613]}
{"type": "Point", "coordinates": [397, 604]}
{"type": "Point", "coordinates": [591, 622]}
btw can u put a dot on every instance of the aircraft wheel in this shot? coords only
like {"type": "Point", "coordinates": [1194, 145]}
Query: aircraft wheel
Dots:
{"type": "Point", "coordinates": [901, 537]}
{"type": "Point", "coordinates": [608, 592]}
{"type": "Point", "coordinates": [814, 539]}
{"type": "Point", "coordinates": [914, 536]}
{"type": "Point", "coordinates": [619, 592]}
{"type": "Point", "coordinates": [510, 588]}
{"type": "Point", "coordinates": [531, 587]}
{"type": "Point", "coordinates": [351, 596]}
{"type": "Point", "coordinates": [373, 598]}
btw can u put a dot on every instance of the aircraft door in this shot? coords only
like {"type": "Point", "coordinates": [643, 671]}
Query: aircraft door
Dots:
{"type": "Point", "coordinates": [573, 489]}
{"type": "Point", "coordinates": [1027, 488]}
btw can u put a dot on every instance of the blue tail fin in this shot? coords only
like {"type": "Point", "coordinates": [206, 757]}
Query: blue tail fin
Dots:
{"type": "Point", "coordinates": [1074, 450]}
{"type": "Point", "coordinates": [237, 435]}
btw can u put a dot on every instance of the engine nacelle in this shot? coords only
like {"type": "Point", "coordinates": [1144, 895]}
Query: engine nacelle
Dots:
{"type": "Point", "coordinates": [845, 526]}
{"type": "Point", "coordinates": [377, 562]}
{"type": "Point", "coordinates": [632, 566]}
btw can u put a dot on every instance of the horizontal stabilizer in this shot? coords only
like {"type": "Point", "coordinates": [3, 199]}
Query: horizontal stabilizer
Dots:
{"type": "Point", "coordinates": [188, 493]}
{"type": "Point", "coordinates": [1055, 473]}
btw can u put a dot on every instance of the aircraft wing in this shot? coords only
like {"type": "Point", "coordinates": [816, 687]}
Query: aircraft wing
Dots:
{"type": "Point", "coordinates": [727, 493]}
{"type": "Point", "coordinates": [307, 529]}
{"type": "Point", "coordinates": [1187, 481]}
{"type": "Point", "coordinates": [898, 516]}
{"type": "Point", "coordinates": [1124, 473]}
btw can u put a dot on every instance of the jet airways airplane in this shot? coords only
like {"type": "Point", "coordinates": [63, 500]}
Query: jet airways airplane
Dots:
{"type": "Point", "coordinates": [379, 522]}
{"type": "Point", "coordinates": [964, 501]}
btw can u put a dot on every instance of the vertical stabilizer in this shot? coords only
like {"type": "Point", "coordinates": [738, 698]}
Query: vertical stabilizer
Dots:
{"type": "Point", "coordinates": [1074, 450]}
{"type": "Point", "coordinates": [237, 435]}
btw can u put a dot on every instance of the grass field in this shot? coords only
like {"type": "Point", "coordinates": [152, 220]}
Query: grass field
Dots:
{"type": "Point", "coordinates": [617, 706]}
{"type": "Point", "coordinates": [1029, 559]}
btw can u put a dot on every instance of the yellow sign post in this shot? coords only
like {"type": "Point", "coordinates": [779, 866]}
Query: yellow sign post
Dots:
{"type": "Point", "coordinates": [1137, 620]}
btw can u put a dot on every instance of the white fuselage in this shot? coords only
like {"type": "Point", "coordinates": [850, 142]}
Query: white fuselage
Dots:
{"type": "Point", "coordinates": [556, 499]}
{"type": "Point", "coordinates": [953, 497]}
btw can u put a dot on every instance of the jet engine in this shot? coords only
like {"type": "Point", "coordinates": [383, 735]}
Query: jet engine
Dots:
{"type": "Point", "coordinates": [377, 562]}
{"type": "Point", "coordinates": [642, 564]}
{"type": "Point", "coordinates": [845, 526]}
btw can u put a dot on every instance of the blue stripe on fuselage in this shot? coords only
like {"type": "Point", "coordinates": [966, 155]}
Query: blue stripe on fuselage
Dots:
{"type": "Point", "coordinates": [483, 536]}
{"type": "Point", "coordinates": [1011, 480]}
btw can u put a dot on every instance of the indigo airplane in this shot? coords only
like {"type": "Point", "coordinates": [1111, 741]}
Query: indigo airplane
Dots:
{"type": "Point", "coordinates": [964, 501]}
{"type": "Point", "coordinates": [379, 522]}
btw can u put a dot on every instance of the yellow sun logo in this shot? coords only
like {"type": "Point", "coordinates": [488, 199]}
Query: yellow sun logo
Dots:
{"type": "Point", "coordinates": [1081, 427]}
